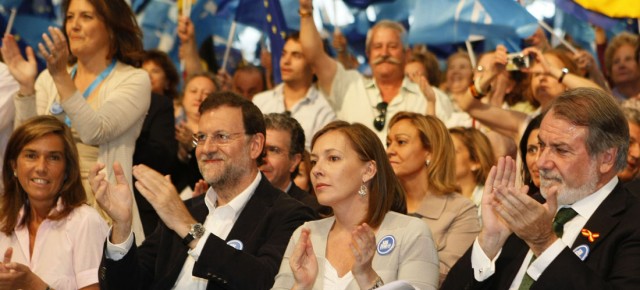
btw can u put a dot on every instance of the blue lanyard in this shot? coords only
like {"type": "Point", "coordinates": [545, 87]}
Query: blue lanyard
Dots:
{"type": "Point", "coordinates": [93, 84]}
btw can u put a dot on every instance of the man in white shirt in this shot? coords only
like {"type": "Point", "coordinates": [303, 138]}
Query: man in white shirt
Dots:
{"type": "Point", "coordinates": [369, 101]}
{"type": "Point", "coordinates": [232, 237]}
{"type": "Point", "coordinates": [297, 94]}
{"type": "Point", "coordinates": [583, 144]}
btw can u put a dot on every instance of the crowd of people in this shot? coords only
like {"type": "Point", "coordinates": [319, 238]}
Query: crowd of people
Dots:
{"type": "Point", "coordinates": [500, 176]}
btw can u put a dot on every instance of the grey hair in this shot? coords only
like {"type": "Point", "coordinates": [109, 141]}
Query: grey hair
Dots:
{"type": "Point", "coordinates": [391, 25]}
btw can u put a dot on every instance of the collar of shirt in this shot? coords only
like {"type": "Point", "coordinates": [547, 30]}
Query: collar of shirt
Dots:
{"type": "Point", "coordinates": [588, 205]}
{"type": "Point", "coordinates": [407, 86]}
{"type": "Point", "coordinates": [289, 186]}
{"type": "Point", "coordinates": [312, 93]}
{"type": "Point", "coordinates": [238, 202]}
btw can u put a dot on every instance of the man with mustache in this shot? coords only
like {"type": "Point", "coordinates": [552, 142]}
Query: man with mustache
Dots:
{"type": "Point", "coordinates": [297, 94]}
{"type": "Point", "coordinates": [231, 237]}
{"type": "Point", "coordinates": [370, 101]}
{"type": "Point", "coordinates": [586, 235]}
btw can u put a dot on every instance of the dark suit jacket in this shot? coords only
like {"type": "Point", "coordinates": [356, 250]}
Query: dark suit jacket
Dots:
{"type": "Point", "coordinates": [157, 148]}
{"type": "Point", "coordinates": [264, 227]}
{"type": "Point", "coordinates": [309, 200]}
{"type": "Point", "coordinates": [613, 260]}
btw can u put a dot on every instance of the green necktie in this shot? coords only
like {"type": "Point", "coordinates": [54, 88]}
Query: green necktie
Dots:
{"type": "Point", "coordinates": [562, 217]}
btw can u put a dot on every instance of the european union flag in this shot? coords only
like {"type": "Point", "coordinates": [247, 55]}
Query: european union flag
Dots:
{"type": "Point", "coordinates": [267, 16]}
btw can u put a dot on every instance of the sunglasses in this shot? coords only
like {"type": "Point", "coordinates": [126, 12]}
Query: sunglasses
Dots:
{"type": "Point", "coordinates": [381, 119]}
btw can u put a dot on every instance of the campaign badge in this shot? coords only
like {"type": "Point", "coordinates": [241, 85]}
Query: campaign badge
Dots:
{"type": "Point", "coordinates": [236, 244]}
{"type": "Point", "coordinates": [581, 251]}
{"type": "Point", "coordinates": [386, 245]}
{"type": "Point", "coordinates": [56, 108]}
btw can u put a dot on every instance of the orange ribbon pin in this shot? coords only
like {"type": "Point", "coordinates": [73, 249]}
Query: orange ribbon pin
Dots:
{"type": "Point", "coordinates": [590, 236]}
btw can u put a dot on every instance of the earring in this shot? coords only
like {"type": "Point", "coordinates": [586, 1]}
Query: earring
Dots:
{"type": "Point", "coordinates": [426, 163]}
{"type": "Point", "coordinates": [15, 174]}
{"type": "Point", "coordinates": [363, 190]}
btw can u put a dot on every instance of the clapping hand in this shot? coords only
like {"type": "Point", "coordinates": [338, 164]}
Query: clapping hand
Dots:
{"type": "Point", "coordinates": [116, 199]}
{"type": "Point", "coordinates": [303, 262]}
{"type": "Point", "coordinates": [17, 276]}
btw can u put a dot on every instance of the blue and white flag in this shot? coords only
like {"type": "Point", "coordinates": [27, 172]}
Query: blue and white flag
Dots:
{"type": "Point", "coordinates": [159, 22]}
{"type": "Point", "coordinates": [453, 21]}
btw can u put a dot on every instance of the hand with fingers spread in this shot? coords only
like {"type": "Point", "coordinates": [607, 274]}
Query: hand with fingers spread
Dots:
{"type": "Point", "coordinates": [24, 71]}
{"type": "Point", "coordinates": [303, 262]}
{"type": "Point", "coordinates": [494, 230]}
{"type": "Point", "coordinates": [163, 196]}
{"type": "Point", "coordinates": [55, 52]}
{"type": "Point", "coordinates": [363, 247]}
{"type": "Point", "coordinates": [115, 199]}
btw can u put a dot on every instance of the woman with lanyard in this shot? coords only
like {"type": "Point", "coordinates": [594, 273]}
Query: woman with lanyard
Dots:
{"type": "Point", "coordinates": [103, 97]}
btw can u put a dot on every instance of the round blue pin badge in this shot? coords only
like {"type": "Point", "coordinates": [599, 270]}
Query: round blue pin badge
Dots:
{"type": "Point", "coordinates": [56, 108]}
{"type": "Point", "coordinates": [386, 245]}
{"type": "Point", "coordinates": [236, 244]}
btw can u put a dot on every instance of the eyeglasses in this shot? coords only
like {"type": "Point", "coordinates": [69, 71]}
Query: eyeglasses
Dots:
{"type": "Point", "coordinates": [220, 138]}
{"type": "Point", "coordinates": [275, 151]}
{"type": "Point", "coordinates": [381, 119]}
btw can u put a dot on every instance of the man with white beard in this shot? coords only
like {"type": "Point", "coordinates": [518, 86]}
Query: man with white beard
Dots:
{"type": "Point", "coordinates": [586, 235]}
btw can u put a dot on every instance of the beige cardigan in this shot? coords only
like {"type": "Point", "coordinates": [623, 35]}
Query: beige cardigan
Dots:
{"type": "Point", "coordinates": [123, 101]}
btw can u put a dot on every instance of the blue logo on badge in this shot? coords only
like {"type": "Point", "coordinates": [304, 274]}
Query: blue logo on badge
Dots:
{"type": "Point", "coordinates": [236, 244]}
{"type": "Point", "coordinates": [386, 245]}
{"type": "Point", "coordinates": [581, 251]}
{"type": "Point", "coordinates": [56, 108]}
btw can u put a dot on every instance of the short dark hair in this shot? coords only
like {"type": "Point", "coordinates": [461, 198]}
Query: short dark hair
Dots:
{"type": "Point", "coordinates": [124, 33]}
{"type": "Point", "coordinates": [283, 122]}
{"type": "Point", "coordinates": [162, 59]}
{"type": "Point", "coordinates": [599, 112]}
{"type": "Point", "coordinates": [386, 192]}
{"type": "Point", "coordinates": [252, 118]}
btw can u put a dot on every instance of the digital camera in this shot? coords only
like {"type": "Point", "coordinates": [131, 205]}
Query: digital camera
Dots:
{"type": "Point", "coordinates": [517, 61]}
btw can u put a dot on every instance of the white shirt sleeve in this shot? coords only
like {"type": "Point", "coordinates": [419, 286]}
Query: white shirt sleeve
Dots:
{"type": "Point", "coordinates": [195, 252]}
{"type": "Point", "coordinates": [541, 263]}
{"type": "Point", "coordinates": [483, 267]}
{"type": "Point", "coordinates": [117, 252]}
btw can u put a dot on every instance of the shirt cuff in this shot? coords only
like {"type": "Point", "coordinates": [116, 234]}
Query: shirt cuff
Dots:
{"type": "Point", "coordinates": [195, 252]}
{"type": "Point", "coordinates": [483, 267]}
{"type": "Point", "coordinates": [541, 263]}
{"type": "Point", "coordinates": [117, 252]}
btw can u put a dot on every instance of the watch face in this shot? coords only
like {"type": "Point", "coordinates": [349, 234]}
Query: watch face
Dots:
{"type": "Point", "coordinates": [197, 230]}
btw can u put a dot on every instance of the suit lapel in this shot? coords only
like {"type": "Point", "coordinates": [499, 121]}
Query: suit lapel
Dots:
{"type": "Point", "coordinates": [258, 205]}
{"type": "Point", "coordinates": [603, 220]}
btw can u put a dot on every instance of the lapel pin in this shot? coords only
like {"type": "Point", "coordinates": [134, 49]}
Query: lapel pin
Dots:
{"type": "Point", "coordinates": [590, 236]}
{"type": "Point", "coordinates": [581, 251]}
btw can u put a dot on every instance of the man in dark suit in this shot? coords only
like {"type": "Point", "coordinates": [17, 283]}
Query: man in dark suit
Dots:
{"type": "Point", "coordinates": [284, 147]}
{"type": "Point", "coordinates": [232, 237]}
{"type": "Point", "coordinates": [593, 242]}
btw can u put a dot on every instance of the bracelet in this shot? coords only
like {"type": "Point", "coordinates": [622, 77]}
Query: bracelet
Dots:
{"type": "Point", "coordinates": [564, 71]}
{"type": "Point", "coordinates": [474, 92]}
{"type": "Point", "coordinates": [305, 13]}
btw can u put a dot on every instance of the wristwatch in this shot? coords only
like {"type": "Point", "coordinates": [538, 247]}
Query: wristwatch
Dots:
{"type": "Point", "coordinates": [378, 283]}
{"type": "Point", "coordinates": [196, 232]}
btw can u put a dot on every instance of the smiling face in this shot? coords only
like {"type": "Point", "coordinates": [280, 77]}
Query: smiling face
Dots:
{"type": "Point", "coordinates": [336, 170]}
{"type": "Point", "coordinates": [223, 165]}
{"type": "Point", "coordinates": [459, 73]}
{"type": "Point", "coordinates": [40, 168]}
{"type": "Point", "coordinates": [86, 30]}
{"type": "Point", "coordinates": [405, 149]}
{"type": "Point", "coordinates": [386, 53]}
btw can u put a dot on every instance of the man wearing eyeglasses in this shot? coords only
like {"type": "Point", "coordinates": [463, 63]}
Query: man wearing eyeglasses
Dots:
{"type": "Point", "coordinates": [284, 147]}
{"type": "Point", "coordinates": [370, 101]}
{"type": "Point", "coordinates": [232, 237]}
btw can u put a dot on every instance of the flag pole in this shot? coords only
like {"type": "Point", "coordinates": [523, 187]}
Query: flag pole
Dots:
{"type": "Point", "coordinates": [562, 40]}
{"type": "Point", "coordinates": [472, 55]}
{"type": "Point", "coordinates": [12, 18]}
{"type": "Point", "coordinates": [232, 33]}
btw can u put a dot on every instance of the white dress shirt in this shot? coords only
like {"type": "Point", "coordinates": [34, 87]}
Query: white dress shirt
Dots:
{"type": "Point", "coordinates": [219, 222]}
{"type": "Point", "coordinates": [483, 267]}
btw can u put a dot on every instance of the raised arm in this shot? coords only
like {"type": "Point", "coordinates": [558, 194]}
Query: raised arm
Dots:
{"type": "Point", "coordinates": [323, 65]}
{"type": "Point", "coordinates": [188, 46]}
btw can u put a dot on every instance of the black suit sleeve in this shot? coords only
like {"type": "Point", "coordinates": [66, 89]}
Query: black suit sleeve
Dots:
{"type": "Point", "coordinates": [229, 268]}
